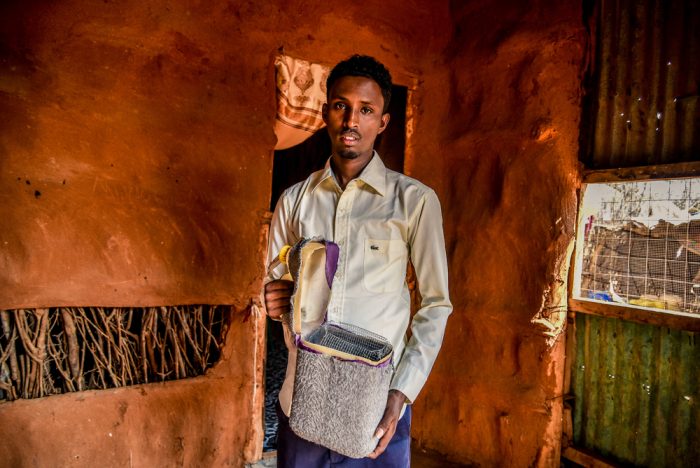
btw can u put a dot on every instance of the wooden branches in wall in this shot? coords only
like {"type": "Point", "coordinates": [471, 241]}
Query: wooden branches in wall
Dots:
{"type": "Point", "coordinates": [50, 351]}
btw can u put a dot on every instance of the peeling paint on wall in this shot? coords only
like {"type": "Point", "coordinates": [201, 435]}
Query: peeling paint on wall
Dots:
{"type": "Point", "coordinates": [553, 311]}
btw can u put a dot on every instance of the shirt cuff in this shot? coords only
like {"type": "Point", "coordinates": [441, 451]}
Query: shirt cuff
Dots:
{"type": "Point", "coordinates": [408, 380]}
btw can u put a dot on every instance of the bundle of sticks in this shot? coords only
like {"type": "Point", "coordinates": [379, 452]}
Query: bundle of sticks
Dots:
{"type": "Point", "coordinates": [58, 350]}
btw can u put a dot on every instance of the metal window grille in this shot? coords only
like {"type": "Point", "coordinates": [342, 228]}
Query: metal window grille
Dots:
{"type": "Point", "coordinates": [639, 245]}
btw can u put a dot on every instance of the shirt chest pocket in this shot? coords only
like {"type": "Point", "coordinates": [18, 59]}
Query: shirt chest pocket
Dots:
{"type": "Point", "coordinates": [384, 265]}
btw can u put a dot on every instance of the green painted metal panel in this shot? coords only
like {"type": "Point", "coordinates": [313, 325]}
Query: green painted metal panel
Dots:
{"type": "Point", "coordinates": [637, 392]}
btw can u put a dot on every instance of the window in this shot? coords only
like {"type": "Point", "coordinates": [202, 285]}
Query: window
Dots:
{"type": "Point", "coordinates": [58, 350]}
{"type": "Point", "coordinates": [638, 245]}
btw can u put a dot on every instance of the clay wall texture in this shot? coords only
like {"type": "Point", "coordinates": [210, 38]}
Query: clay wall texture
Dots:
{"type": "Point", "coordinates": [135, 169]}
{"type": "Point", "coordinates": [508, 156]}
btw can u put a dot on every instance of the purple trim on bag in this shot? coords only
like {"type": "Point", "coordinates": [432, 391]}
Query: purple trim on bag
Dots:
{"type": "Point", "coordinates": [332, 255]}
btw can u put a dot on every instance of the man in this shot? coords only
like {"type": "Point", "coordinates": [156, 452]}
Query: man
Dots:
{"type": "Point", "coordinates": [378, 218]}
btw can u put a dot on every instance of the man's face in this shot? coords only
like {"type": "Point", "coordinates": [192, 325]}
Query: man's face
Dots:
{"type": "Point", "coordinates": [354, 116]}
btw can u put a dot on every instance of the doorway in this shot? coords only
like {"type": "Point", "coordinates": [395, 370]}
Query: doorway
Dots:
{"type": "Point", "coordinates": [293, 165]}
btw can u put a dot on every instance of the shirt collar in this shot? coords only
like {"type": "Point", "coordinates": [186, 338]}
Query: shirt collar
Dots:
{"type": "Point", "coordinates": [374, 175]}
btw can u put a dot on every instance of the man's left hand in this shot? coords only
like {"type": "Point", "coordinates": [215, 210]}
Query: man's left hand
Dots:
{"type": "Point", "coordinates": [387, 426]}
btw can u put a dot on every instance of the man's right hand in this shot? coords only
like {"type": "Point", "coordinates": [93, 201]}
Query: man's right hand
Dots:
{"type": "Point", "coordinates": [277, 298]}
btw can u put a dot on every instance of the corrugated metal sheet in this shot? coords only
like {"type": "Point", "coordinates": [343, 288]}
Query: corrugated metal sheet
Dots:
{"type": "Point", "coordinates": [637, 395]}
{"type": "Point", "coordinates": [642, 105]}
{"type": "Point", "coordinates": [635, 386]}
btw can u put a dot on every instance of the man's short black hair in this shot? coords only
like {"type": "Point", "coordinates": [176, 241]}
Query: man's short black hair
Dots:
{"type": "Point", "coordinates": [362, 65]}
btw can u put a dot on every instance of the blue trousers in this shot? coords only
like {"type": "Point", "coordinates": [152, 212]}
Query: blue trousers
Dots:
{"type": "Point", "coordinates": [295, 452]}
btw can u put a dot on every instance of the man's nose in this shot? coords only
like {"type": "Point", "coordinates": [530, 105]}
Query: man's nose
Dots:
{"type": "Point", "coordinates": [351, 118]}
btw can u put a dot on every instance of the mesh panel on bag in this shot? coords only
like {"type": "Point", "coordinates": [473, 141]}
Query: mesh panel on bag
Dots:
{"type": "Point", "coordinates": [351, 340]}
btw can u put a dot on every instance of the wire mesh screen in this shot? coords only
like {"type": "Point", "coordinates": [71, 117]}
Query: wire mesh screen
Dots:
{"type": "Point", "coordinates": [639, 245]}
{"type": "Point", "coordinates": [352, 340]}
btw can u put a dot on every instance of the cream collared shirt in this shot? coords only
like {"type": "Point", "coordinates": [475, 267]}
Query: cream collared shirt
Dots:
{"type": "Point", "coordinates": [379, 221]}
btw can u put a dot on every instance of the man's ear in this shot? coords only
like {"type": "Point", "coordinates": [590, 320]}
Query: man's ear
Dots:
{"type": "Point", "coordinates": [385, 122]}
{"type": "Point", "coordinates": [324, 113]}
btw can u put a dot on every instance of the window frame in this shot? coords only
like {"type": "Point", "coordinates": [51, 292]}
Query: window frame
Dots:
{"type": "Point", "coordinates": [633, 174]}
{"type": "Point", "coordinates": [630, 174]}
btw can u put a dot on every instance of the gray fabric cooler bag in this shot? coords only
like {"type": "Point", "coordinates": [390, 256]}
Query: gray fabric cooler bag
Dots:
{"type": "Point", "coordinates": [343, 372]}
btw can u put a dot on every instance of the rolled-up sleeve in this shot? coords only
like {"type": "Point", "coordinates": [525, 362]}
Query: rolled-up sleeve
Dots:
{"type": "Point", "coordinates": [427, 249]}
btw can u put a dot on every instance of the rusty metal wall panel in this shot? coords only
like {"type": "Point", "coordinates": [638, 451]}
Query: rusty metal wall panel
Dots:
{"type": "Point", "coordinates": [636, 387]}
{"type": "Point", "coordinates": [642, 104]}
{"type": "Point", "coordinates": [637, 395]}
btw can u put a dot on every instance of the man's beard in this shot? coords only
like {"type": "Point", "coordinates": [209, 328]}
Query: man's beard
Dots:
{"type": "Point", "coordinates": [348, 154]}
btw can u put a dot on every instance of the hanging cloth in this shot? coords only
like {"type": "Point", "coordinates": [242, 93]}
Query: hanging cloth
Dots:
{"type": "Point", "coordinates": [301, 93]}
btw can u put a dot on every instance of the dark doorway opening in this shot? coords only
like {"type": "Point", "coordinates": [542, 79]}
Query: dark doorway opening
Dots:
{"type": "Point", "coordinates": [293, 165]}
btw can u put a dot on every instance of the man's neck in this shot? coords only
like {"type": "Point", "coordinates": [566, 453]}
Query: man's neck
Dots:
{"type": "Point", "coordinates": [346, 170]}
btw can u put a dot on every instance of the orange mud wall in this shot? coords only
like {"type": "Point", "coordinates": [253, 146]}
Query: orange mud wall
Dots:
{"type": "Point", "coordinates": [135, 169]}
{"type": "Point", "coordinates": [507, 171]}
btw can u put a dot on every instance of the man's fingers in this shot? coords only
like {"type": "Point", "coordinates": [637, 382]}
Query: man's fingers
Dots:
{"type": "Point", "coordinates": [279, 285]}
{"type": "Point", "coordinates": [385, 431]}
{"type": "Point", "coordinates": [276, 297]}
{"type": "Point", "coordinates": [385, 436]}
{"type": "Point", "coordinates": [276, 315]}
{"type": "Point", "coordinates": [273, 302]}
{"type": "Point", "coordinates": [387, 426]}
{"type": "Point", "coordinates": [274, 305]}
{"type": "Point", "coordinates": [278, 294]}
{"type": "Point", "coordinates": [383, 425]}
{"type": "Point", "coordinates": [277, 307]}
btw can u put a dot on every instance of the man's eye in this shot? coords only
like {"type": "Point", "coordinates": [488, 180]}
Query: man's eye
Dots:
{"type": "Point", "coordinates": [366, 110]}
{"type": "Point", "coordinates": [339, 106]}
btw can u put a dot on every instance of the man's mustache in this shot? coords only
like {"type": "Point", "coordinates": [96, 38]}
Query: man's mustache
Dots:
{"type": "Point", "coordinates": [350, 133]}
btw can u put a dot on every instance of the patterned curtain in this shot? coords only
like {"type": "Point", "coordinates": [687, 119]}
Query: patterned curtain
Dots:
{"type": "Point", "coordinates": [301, 93]}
